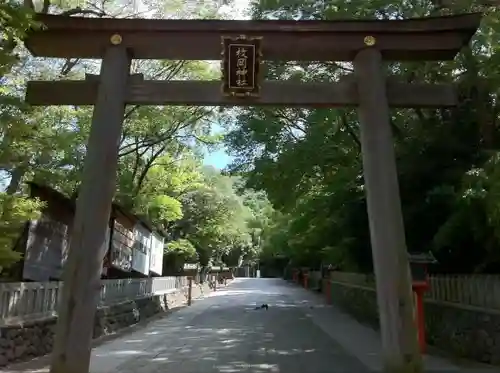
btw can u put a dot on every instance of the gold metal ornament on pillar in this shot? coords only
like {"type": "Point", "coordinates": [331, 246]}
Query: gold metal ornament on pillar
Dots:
{"type": "Point", "coordinates": [115, 39]}
{"type": "Point", "coordinates": [369, 41]}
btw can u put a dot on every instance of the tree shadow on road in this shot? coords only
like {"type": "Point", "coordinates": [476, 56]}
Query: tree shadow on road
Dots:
{"type": "Point", "coordinates": [233, 337]}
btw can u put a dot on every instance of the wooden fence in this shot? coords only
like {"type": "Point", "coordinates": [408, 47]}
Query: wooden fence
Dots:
{"type": "Point", "coordinates": [471, 290]}
{"type": "Point", "coordinates": [24, 301]}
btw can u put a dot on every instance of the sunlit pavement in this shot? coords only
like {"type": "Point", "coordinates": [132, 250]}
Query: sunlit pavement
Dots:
{"type": "Point", "coordinates": [224, 333]}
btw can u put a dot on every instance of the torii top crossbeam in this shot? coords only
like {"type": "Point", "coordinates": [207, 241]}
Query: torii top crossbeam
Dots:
{"type": "Point", "coordinates": [432, 38]}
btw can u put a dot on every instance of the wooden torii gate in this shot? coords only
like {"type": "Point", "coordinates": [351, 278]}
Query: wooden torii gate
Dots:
{"type": "Point", "coordinates": [366, 43]}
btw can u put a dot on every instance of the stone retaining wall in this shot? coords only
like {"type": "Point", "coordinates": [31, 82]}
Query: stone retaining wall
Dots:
{"type": "Point", "coordinates": [35, 338]}
{"type": "Point", "coordinates": [462, 331]}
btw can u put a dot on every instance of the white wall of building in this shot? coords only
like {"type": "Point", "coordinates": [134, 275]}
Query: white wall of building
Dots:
{"type": "Point", "coordinates": [156, 261]}
{"type": "Point", "coordinates": [142, 249]}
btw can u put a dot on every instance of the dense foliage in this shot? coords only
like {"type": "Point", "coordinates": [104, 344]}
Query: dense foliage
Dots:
{"type": "Point", "coordinates": [308, 161]}
{"type": "Point", "coordinates": [299, 191]}
{"type": "Point", "coordinates": [209, 217]}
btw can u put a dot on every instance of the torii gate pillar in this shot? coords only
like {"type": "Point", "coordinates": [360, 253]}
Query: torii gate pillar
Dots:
{"type": "Point", "coordinates": [387, 234]}
{"type": "Point", "coordinates": [82, 272]}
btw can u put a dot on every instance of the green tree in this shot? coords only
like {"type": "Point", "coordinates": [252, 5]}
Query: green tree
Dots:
{"type": "Point", "coordinates": [308, 161]}
{"type": "Point", "coordinates": [160, 147]}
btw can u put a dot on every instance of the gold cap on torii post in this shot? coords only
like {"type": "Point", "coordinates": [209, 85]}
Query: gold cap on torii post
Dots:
{"type": "Point", "coordinates": [116, 39]}
{"type": "Point", "coordinates": [369, 41]}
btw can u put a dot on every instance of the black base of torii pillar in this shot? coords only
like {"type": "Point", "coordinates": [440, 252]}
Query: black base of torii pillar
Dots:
{"type": "Point", "coordinates": [392, 273]}
{"type": "Point", "coordinates": [73, 341]}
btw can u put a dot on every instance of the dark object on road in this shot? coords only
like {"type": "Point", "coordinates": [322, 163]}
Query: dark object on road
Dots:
{"type": "Point", "coordinates": [264, 306]}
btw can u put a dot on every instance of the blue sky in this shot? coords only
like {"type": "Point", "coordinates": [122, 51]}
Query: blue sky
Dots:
{"type": "Point", "coordinates": [219, 159]}
{"type": "Point", "coordinates": [236, 10]}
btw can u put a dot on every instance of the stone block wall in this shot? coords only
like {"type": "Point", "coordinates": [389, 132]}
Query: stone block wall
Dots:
{"type": "Point", "coordinates": [35, 338]}
{"type": "Point", "coordinates": [460, 330]}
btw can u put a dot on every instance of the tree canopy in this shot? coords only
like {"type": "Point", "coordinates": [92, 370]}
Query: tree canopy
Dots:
{"type": "Point", "coordinates": [308, 161]}
{"type": "Point", "coordinates": [208, 217]}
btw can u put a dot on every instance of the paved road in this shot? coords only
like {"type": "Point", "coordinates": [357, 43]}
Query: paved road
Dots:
{"type": "Point", "coordinates": [223, 333]}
